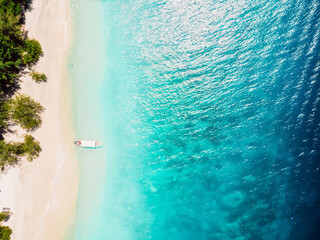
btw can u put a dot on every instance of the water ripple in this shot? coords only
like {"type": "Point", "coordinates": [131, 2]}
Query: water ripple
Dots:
{"type": "Point", "coordinates": [217, 121]}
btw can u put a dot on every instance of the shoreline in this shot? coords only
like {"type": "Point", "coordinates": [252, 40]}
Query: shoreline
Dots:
{"type": "Point", "coordinates": [42, 194]}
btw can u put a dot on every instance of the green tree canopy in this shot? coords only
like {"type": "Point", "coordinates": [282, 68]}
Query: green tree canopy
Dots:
{"type": "Point", "coordinates": [8, 154]}
{"type": "Point", "coordinates": [11, 152]}
{"type": "Point", "coordinates": [3, 216]}
{"type": "Point", "coordinates": [16, 51]}
{"type": "Point", "coordinates": [5, 233]}
{"type": "Point", "coordinates": [38, 77]}
{"type": "Point", "coordinates": [4, 114]}
{"type": "Point", "coordinates": [30, 148]}
{"type": "Point", "coordinates": [33, 52]}
{"type": "Point", "coordinates": [25, 111]}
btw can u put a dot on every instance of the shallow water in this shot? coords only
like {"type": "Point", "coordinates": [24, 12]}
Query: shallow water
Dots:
{"type": "Point", "coordinates": [209, 116]}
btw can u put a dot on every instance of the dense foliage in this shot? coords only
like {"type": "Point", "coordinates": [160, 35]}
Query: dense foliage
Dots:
{"type": "Point", "coordinates": [3, 216]}
{"type": "Point", "coordinates": [9, 153]}
{"type": "Point", "coordinates": [12, 152]}
{"type": "Point", "coordinates": [33, 51]}
{"type": "Point", "coordinates": [4, 114]}
{"type": "Point", "coordinates": [13, 45]}
{"type": "Point", "coordinates": [30, 148]}
{"type": "Point", "coordinates": [16, 50]}
{"type": "Point", "coordinates": [14, 6]}
{"type": "Point", "coordinates": [5, 233]}
{"type": "Point", "coordinates": [17, 53]}
{"type": "Point", "coordinates": [38, 77]}
{"type": "Point", "coordinates": [11, 51]}
{"type": "Point", "coordinates": [25, 111]}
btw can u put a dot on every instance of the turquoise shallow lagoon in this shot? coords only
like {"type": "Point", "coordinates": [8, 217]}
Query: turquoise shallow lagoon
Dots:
{"type": "Point", "coordinates": [208, 112]}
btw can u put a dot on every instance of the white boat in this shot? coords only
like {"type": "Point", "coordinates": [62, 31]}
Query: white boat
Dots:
{"type": "Point", "coordinates": [88, 144]}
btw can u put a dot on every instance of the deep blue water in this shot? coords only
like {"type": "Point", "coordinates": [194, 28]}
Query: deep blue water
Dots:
{"type": "Point", "coordinates": [209, 111]}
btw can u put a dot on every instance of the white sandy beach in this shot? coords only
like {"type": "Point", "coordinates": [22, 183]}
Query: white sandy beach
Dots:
{"type": "Point", "coordinates": [42, 194]}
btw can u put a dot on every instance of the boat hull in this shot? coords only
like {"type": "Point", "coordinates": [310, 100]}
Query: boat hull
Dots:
{"type": "Point", "coordinates": [88, 144]}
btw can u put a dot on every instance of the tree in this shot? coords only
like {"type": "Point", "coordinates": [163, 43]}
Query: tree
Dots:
{"type": "Point", "coordinates": [33, 51]}
{"type": "Point", "coordinates": [11, 152]}
{"type": "Point", "coordinates": [9, 24]}
{"type": "Point", "coordinates": [16, 51]}
{"type": "Point", "coordinates": [10, 61]}
{"type": "Point", "coordinates": [38, 77]}
{"type": "Point", "coordinates": [5, 233]}
{"type": "Point", "coordinates": [25, 111]}
{"type": "Point", "coordinates": [3, 217]}
{"type": "Point", "coordinates": [30, 148]}
{"type": "Point", "coordinates": [8, 154]}
{"type": "Point", "coordinates": [12, 6]}
{"type": "Point", "coordinates": [4, 114]}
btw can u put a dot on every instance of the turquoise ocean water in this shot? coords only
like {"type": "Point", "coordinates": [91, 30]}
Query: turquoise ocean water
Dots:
{"type": "Point", "coordinates": [209, 115]}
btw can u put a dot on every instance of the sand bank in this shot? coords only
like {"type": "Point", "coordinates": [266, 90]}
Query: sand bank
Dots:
{"type": "Point", "coordinates": [42, 194]}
